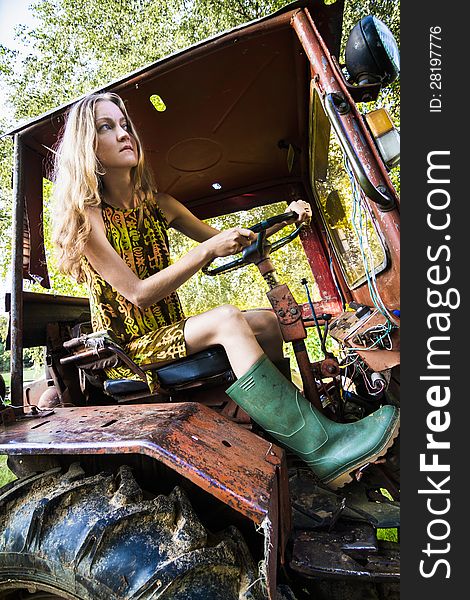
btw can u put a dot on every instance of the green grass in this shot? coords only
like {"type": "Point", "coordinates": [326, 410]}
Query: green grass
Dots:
{"type": "Point", "coordinates": [389, 535]}
{"type": "Point", "coordinates": [5, 474]}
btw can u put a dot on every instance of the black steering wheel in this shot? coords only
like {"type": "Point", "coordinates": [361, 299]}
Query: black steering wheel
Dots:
{"type": "Point", "coordinates": [260, 249]}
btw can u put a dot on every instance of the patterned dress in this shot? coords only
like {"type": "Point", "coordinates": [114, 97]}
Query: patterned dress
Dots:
{"type": "Point", "coordinates": [148, 335]}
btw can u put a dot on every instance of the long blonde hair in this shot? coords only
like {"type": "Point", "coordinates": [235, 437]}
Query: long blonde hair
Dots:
{"type": "Point", "coordinates": [78, 181]}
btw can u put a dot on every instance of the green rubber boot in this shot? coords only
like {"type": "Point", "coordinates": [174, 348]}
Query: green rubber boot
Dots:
{"type": "Point", "coordinates": [332, 450]}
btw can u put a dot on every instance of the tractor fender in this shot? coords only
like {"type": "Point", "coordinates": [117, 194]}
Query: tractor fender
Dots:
{"type": "Point", "coordinates": [233, 464]}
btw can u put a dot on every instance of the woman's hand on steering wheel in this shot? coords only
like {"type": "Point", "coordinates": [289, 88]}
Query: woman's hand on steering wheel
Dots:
{"type": "Point", "coordinates": [302, 209]}
{"type": "Point", "coordinates": [303, 214]}
{"type": "Point", "coordinates": [230, 241]}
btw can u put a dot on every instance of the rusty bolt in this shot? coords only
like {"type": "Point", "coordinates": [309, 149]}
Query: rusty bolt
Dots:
{"type": "Point", "coordinates": [293, 311]}
{"type": "Point", "coordinates": [281, 313]}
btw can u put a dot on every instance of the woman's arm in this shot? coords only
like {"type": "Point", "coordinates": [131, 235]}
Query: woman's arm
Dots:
{"type": "Point", "coordinates": [145, 292]}
{"type": "Point", "coordinates": [183, 220]}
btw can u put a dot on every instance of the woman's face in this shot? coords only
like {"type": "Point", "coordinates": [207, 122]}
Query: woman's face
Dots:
{"type": "Point", "coordinates": [116, 147]}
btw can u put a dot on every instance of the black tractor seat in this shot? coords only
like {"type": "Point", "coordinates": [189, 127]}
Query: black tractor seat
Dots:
{"type": "Point", "coordinates": [183, 373]}
{"type": "Point", "coordinates": [92, 353]}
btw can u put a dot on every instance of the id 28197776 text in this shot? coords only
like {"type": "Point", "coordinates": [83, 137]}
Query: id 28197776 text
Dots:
{"type": "Point", "coordinates": [435, 69]}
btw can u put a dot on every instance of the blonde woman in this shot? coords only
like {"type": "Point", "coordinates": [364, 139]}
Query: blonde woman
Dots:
{"type": "Point", "coordinates": [111, 233]}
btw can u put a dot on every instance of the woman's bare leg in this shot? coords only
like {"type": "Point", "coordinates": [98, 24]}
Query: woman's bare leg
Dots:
{"type": "Point", "coordinates": [228, 326]}
{"type": "Point", "coordinates": [265, 326]}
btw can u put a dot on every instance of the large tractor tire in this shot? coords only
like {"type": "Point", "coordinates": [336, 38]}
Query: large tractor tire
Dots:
{"type": "Point", "coordinates": [72, 536]}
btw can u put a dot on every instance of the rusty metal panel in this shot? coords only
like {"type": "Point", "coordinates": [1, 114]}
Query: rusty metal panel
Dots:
{"type": "Point", "coordinates": [191, 439]}
{"type": "Point", "coordinates": [16, 315]}
{"type": "Point", "coordinates": [288, 312]}
{"type": "Point", "coordinates": [317, 257]}
{"type": "Point", "coordinates": [36, 269]}
{"type": "Point", "coordinates": [231, 463]}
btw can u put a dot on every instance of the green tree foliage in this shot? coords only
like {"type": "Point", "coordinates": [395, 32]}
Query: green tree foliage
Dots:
{"type": "Point", "coordinates": [6, 59]}
{"type": "Point", "coordinates": [4, 354]}
{"type": "Point", "coordinates": [80, 45]}
{"type": "Point", "coordinates": [6, 163]}
{"type": "Point", "coordinates": [203, 18]}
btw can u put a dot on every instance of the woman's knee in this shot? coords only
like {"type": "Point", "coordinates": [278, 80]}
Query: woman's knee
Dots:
{"type": "Point", "coordinates": [225, 325]}
{"type": "Point", "coordinates": [269, 319]}
{"type": "Point", "coordinates": [227, 315]}
{"type": "Point", "coordinates": [216, 325]}
{"type": "Point", "coordinates": [262, 322]}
